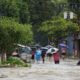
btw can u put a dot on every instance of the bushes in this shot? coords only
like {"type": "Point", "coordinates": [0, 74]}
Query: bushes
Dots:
{"type": "Point", "coordinates": [14, 61]}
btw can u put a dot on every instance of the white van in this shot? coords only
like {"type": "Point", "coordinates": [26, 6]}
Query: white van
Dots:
{"type": "Point", "coordinates": [25, 53]}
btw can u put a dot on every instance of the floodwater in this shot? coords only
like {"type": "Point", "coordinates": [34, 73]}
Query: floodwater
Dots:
{"type": "Point", "coordinates": [66, 70]}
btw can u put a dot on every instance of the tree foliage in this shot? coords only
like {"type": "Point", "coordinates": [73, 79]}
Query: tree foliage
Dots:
{"type": "Point", "coordinates": [17, 9]}
{"type": "Point", "coordinates": [40, 10]}
{"type": "Point", "coordinates": [39, 14]}
{"type": "Point", "coordinates": [12, 32]}
{"type": "Point", "coordinates": [57, 28]}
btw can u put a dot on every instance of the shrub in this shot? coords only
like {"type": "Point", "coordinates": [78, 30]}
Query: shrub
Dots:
{"type": "Point", "coordinates": [15, 61]}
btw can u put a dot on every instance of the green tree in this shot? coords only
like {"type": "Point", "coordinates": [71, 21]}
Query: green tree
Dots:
{"type": "Point", "coordinates": [12, 32]}
{"type": "Point", "coordinates": [9, 8]}
{"type": "Point", "coordinates": [40, 10]}
{"type": "Point", "coordinates": [57, 28]}
{"type": "Point", "coordinates": [17, 9]}
{"type": "Point", "coordinates": [24, 12]}
{"type": "Point", "coordinates": [43, 10]}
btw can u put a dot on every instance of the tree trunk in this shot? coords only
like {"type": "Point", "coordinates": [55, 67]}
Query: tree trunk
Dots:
{"type": "Point", "coordinates": [3, 57]}
{"type": "Point", "coordinates": [0, 58]}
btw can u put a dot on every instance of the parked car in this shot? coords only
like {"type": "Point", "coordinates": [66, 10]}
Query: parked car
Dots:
{"type": "Point", "coordinates": [25, 53]}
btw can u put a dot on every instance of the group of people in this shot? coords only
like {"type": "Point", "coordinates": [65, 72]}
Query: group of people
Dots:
{"type": "Point", "coordinates": [40, 55]}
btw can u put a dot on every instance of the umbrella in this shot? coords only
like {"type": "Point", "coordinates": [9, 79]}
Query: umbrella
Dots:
{"type": "Point", "coordinates": [62, 45]}
{"type": "Point", "coordinates": [49, 46]}
{"type": "Point", "coordinates": [20, 45]}
{"type": "Point", "coordinates": [52, 50]}
{"type": "Point", "coordinates": [37, 45]}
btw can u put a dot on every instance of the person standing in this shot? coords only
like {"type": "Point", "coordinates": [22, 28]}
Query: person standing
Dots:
{"type": "Point", "coordinates": [32, 55]}
{"type": "Point", "coordinates": [56, 57]}
{"type": "Point", "coordinates": [43, 55]}
{"type": "Point", "coordinates": [49, 55]}
{"type": "Point", "coordinates": [38, 55]}
{"type": "Point", "coordinates": [63, 49]}
{"type": "Point", "coordinates": [63, 52]}
{"type": "Point", "coordinates": [78, 63]}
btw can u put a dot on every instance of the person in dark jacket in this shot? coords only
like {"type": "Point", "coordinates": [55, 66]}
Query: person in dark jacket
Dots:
{"type": "Point", "coordinates": [43, 55]}
{"type": "Point", "coordinates": [78, 62]}
{"type": "Point", "coordinates": [32, 55]}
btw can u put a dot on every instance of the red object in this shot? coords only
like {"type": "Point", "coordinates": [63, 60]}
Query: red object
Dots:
{"type": "Point", "coordinates": [63, 50]}
{"type": "Point", "coordinates": [32, 55]}
{"type": "Point", "coordinates": [32, 52]}
{"type": "Point", "coordinates": [56, 56]}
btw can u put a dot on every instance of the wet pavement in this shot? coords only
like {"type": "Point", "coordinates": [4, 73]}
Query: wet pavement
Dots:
{"type": "Point", "coordinates": [66, 70]}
